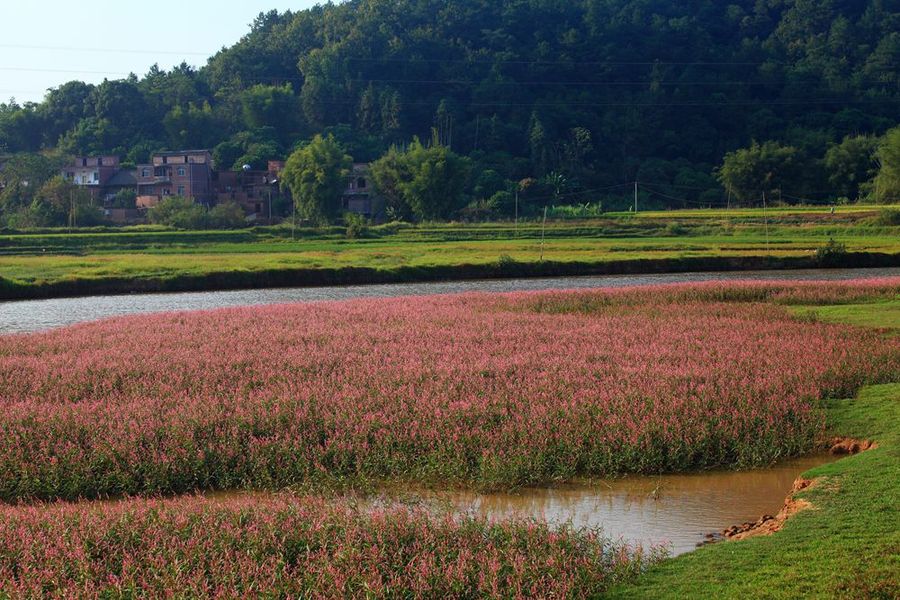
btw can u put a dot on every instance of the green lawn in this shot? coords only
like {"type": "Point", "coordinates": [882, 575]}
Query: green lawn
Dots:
{"type": "Point", "coordinates": [848, 544]}
{"type": "Point", "coordinates": [42, 258]}
{"type": "Point", "coordinates": [880, 314]}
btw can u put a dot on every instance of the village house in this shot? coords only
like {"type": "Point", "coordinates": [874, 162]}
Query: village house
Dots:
{"type": "Point", "coordinates": [359, 197]}
{"type": "Point", "coordinates": [187, 173]}
{"type": "Point", "coordinates": [92, 173]}
{"type": "Point", "coordinates": [252, 189]}
{"type": "Point", "coordinates": [192, 174]}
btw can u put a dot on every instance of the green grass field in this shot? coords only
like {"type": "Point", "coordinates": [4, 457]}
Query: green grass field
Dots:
{"type": "Point", "coordinates": [33, 260]}
{"type": "Point", "coordinates": [848, 544]}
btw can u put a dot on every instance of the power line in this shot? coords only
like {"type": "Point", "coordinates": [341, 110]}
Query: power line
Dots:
{"type": "Point", "coordinates": [417, 60]}
{"type": "Point", "coordinates": [104, 50]}
{"type": "Point", "coordinates": [464, 82]}
{"type": "Point", "coordinates": [563, 83]}
{"type": "Point", "coordinates": [69, 71]}
{"type": "Point", "coordinates": [612, 63]}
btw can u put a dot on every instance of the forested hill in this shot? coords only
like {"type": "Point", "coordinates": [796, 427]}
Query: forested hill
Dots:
{"type": "Point", "coordinates": [602, 91]}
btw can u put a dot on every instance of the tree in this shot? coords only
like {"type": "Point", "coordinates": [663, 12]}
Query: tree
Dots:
{"type": "Point", "coordinates": [271, 106]}
{"type": "Point", "coordinates": [20, 127]}
{"type": "Point", "coordinates": [124, 198]}
{"type": "Point", "coordinates": [178, 212]}
{"type": "Point", "coordinates": [886, 186]}
{"type": "Point", "coordinates": [316, 174]}
{"type": "Point", "coordinates": [228, 215]}
{"type": "Point", "coordinates": [851, 164]}
{"type": "Point", "coordinates": [749, 173]}
{"type": "Point", "coordinates": [388, 173]}
{"type": "Point", "coordinates": [257, 155]}
{"type": "Point", "coordinates": [63, 108]}
{"type": "Point", "coordinates": [578, 99]}
{"type": "Point", "coordinates": [22, 177]}
{"type": "Point", "coordinates": [192, 126]}
{"type": "Point", "coordinates": [122, 111]}
{"type": "Point", "coordinates": [436, 178]}
{"type": "Point", "coordinates": [58, 200]}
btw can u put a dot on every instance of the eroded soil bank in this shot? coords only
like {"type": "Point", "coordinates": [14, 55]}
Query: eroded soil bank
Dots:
{"type": "Point", "coordinates": [769, 524]}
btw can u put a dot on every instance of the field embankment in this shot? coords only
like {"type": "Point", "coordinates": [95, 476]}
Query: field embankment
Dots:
{"type": "Point", "coordinates": [56, 263]}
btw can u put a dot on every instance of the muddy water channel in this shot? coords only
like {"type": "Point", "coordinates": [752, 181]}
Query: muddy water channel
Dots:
{"type": "Point", "coordinates": [676, 510]}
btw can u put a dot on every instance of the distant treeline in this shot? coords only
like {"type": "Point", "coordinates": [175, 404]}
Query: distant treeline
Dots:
{"type": "Point", "coordinates": [584, 95]}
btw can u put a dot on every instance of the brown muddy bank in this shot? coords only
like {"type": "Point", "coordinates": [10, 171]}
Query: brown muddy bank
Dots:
{"type": "Point", "coordinates": [769, 524]}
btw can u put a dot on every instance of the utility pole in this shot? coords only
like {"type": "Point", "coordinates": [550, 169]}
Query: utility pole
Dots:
{"type": "Point", "coordinates": [636, 197]}
{"type": "Point", "coordinates": [543, 228]}
{"type": "Point", "coordinates": [766, 220]}
{"type": "Point", "coordinates": [517, 210]}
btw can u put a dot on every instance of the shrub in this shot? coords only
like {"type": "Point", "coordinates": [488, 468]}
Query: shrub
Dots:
{"type": "Point", "coordinates": [228, 215]}
{"type": "Point", "coordinates": [178, 212]}
{"type": "Point", "coordinates": [831, 253]}
{"type": "Point", "coordinates": [357, 225]}
{"type": "Point", "coordinates": [887, 217]}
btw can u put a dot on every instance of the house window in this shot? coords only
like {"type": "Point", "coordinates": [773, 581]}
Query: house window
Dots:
{"type": "Point", "coordinates": [96, 176]}
{"type": "Point", "coordinates": [361, 183]}
{"type": "Point", "coordinates": [181, 171]}
{"type": "Point", "coordinates": [258, 207]}
{"type": "Point", "coordinates": [145, 172]}
{"type": "Point", "coordinates": [181, 190]}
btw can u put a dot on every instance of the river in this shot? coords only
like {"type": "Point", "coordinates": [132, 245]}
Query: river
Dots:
{"type": "Point", "coordinates": [24, 316]}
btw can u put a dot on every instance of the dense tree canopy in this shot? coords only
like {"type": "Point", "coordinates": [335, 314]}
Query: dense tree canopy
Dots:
{"type": "Point", "coordinates": [886, 187]}
{"type": "Point", "coordinates": [604, 92]}
{"type": "Point", "coordinates": [316, 175]}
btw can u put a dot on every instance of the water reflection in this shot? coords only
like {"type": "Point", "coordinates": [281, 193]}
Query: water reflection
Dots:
{"type": "Point", "coordinates": [674, 509]}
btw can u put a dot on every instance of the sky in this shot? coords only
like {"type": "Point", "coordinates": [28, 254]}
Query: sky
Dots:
{"type": "Point", "coordinates": [45, 43]}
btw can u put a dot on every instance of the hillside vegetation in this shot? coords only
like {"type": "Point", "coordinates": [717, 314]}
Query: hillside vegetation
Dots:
{"type": "Point", "coordinates": [701, 101]}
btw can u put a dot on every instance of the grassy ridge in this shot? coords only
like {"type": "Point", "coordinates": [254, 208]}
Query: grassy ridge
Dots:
{"type": "Point", "coordinates": [145, 259]}
{"type": "Point", "coordinates": [848, 546]}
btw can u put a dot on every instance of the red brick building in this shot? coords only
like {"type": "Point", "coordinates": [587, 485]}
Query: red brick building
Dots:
{"type": "Point", "coordinates": [188, 173]}
{"type": "Point", "coordinates": [252, 190]}
{"type": "Point", "coordinates": [93, 173]}
{"type": "Point", "coordinates": [359, 197]}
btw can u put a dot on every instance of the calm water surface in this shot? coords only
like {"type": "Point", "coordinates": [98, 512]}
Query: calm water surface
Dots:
{"type": "Point", "coordinates": [678, 510]}
{"type": "Point", "coordinates": [36, 315]}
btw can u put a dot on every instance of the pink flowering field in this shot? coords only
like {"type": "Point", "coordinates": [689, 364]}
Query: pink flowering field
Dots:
{"type": "Point", "coordinates": [492, 391]}
{"type": "Point", "coordinates": [285, 547]}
